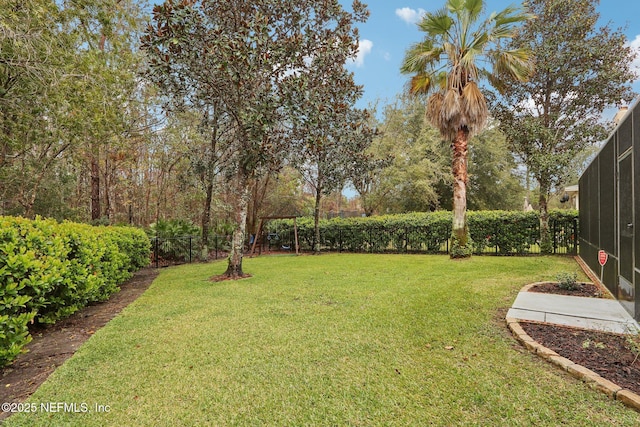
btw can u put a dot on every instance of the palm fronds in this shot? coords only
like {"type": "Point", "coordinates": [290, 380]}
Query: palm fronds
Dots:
{"type": "Point", "coordinates": [455, 41]}
{"type": "Point", "coordinates": [474, 107]}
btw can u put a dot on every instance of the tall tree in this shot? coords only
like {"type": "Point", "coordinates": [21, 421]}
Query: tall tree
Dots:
{"type": "Point", "coordinates": [364, 173]}
{"type": "Point", "coordinates": [251, 58]}
{"type": "Point", "coordinates": [408, 167]}
{"type": "Point", "coordinates": [448, 63]}
{"type": "Point", "coordinates": [33, 88]}
{"type": "Point", "coordinates": [332, 133]}
{"type": "Point", "coordinates": [580, 71]}
{"type": "Point", "coordinates": [106, 37]}
{"type": "Point", "coordinates": [415, 172]}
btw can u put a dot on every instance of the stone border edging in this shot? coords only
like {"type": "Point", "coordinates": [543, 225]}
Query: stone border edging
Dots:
{"type": "Point", "coordinates": [614, 391]}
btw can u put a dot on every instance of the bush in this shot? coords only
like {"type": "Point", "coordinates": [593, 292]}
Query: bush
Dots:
{"type": "Point", "coordinates": [568, 281]}
{"type": "Point", "coordinates": [505, 232]}
{"type": "Point", "coordinates": [50, 270]}
{"type": "Point", "coordinates": [173, 238]}
{"type": "Point", "coordinates": [497, 232]}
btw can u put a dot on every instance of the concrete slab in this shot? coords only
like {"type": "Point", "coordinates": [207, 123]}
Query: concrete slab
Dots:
{"type": "Point", "coordinates": [587, 323]}
{"type": "Point", "coordinates": [523, 314]}
{"type": "Point", "coordinates": [587, 313]}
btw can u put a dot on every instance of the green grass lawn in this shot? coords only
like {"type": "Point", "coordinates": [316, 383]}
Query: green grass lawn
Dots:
{"type": "Point", "coordinates": [328, 340]}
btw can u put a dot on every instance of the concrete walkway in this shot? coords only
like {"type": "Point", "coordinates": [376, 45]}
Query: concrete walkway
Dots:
{"type": "Point", "coordinates": [587, 313]}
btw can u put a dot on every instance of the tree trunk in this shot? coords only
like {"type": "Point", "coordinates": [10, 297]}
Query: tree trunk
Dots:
{"type": "Point", "coordinates": [460, 241]}
{"type": "Point", "coordinates": [234, 269]}
{"type": "Point", "coordinates": [316, 217]}
{"type": "Point", "coordinates": [209, 176]}
{"type": "Point", "coordinates": [368, 209]}
{"type": "Point", "coordinates": [206, 214]}
{"type": "Point", "coordinates": [160, 186]}
{"type": "Point", "coordinates": [95, 184]}
{"type": "Point", "coordinates": [546, 246]}
{"type": "Point", "coordinates": [107, 190]}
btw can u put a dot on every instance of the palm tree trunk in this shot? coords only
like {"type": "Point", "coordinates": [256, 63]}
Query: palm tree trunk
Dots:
{"type": "Point", "coordinates": [460, 241]}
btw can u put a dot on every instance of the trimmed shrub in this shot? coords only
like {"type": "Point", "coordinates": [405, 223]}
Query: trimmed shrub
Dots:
{"type": "Point", "coordinates": [496, 232]}
{"type": "Point", "coordinates": [50, 270]}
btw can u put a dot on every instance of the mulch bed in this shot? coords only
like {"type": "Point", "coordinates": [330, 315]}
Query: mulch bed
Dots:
{"type": "Point", "coordinates": [583, 290]}
{"type": "Point", "coordinates": [609, 355]}
{"type": "Point", "coordinates": [52, 346]}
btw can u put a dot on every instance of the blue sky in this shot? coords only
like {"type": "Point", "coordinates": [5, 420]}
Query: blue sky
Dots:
{"type": "Point", "coordinates": [391, 29]}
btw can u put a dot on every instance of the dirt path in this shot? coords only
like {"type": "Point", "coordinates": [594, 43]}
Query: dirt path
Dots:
{"type": "Point", "coordinates": [53, 345]}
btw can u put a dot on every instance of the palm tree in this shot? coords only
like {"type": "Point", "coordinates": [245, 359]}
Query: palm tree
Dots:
{"type": "Point", "coordinates": [446, 66]}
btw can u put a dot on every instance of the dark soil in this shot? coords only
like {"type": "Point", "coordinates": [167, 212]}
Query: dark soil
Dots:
{"type": "Point", "coordinates": [609, 355]}
{"type": "Point", "coordinates": [52, 345]}
{"type": "Point", "coordinates": [581, 290]}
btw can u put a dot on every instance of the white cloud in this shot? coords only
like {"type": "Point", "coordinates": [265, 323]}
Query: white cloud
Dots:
{"type": "Point", "coordinates": [410, 16]}
{"type": "Point", "coordinates": [364, 48]}
{"type": "Point", "coordinates": [635, 45]}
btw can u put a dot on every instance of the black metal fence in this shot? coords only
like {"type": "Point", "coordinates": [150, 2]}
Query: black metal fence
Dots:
{"type": "Point", "coordinates": [370, 239]}
{"type": "Point", "coordinates": [186, 249]}
{"type": "Point", "coordinates": [426, 239]}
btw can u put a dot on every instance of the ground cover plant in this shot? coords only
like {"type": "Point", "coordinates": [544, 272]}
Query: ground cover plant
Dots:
{"type": "Point", "coordinates": [349, 339]}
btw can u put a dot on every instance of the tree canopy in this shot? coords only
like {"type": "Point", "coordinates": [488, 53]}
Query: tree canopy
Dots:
{"type": "Point", "coordinates": [580, 71]}
{"type": "Point", "coordinates": [414, 173]}
{"type": "Point", "coordinates": [251, 59]}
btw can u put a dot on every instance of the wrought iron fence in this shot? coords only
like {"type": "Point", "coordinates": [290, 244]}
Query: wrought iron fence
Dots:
{"type": "Point", "coordinates": [186, 249]}
{"type": "Point", "coordinates": [369, 239]}
{"type": "Point", "coordinates": [424, 239]}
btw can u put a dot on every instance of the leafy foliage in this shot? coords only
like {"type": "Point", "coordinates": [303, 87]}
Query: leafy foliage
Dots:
{"type": "Point", "coordinates": [568, 281]}
{"type": "Point", "coordinates": [492, 232]}
{"type": "Point", "coordinates": [50, 270]}
{"type": "Point", "coordinates": [173, 239]}
{"type": "Point", "coordinates": [414, 173]}
{"type": "Point", "coordinates": [551, 119]}
{"type": "Point", "coordinates": [254, 62]}
{"type": "Point", "coordinates": [67, 77]}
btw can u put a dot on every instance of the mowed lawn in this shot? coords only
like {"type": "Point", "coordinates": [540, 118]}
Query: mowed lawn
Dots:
{"type": "Point", "coordinates": [331, 340]}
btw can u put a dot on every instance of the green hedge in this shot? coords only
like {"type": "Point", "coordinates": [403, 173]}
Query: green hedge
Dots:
{"type": "Point", "coordinates": [499, 232]}
{"type": "Point", "coordinates": [50, 270]}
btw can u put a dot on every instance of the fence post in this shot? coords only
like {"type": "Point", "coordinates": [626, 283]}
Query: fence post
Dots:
{"type": "Point", "coordinates": [575, 236]}
{"type": "Point", "coordinates": [156, 251]}
{"type": "Point", "coordinates": [190, 250]}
